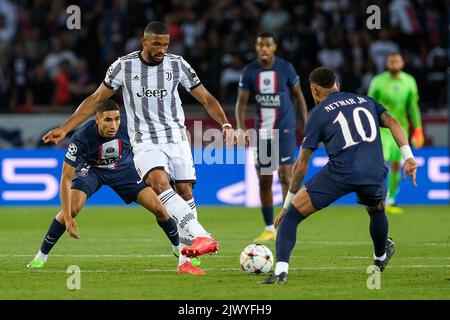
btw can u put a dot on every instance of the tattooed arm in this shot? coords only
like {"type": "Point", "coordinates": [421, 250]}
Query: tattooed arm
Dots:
{"type": "Point", "coordinates": [300, 169]}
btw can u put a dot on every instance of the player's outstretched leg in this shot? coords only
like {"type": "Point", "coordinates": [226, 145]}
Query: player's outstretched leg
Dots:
{"type": "Point", "coordinates": [179, 209]}
{"type": "Point", "coordinates": [286, 238]}
{"type": "Point", "coordinates": [187, 265]}
{"type": "Point", "coordinates": [384, 247]}
{"type": "Point", "coordinates": [202, 243]}
{"type": "Point", "coordinates": [300, 208]}
{"type": "Point", "coordinates": [149, 200]}
{"type": "Point", "coordinates": [57, 229]}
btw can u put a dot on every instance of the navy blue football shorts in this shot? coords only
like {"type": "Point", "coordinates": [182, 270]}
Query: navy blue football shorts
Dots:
{"type": "Point", "coordinates": [265, 153]}
{"type": "Point", "coordinates": [124, 181]}
{"type": "Point", "coordinates": [324, 189]}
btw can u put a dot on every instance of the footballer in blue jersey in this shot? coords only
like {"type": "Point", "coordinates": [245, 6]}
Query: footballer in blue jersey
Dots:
{"type": "Point", "coordinates": [349, 127]}
{"type": "Point", "coordinates": [100, 154]}
{"type": "Point", "coordinates": [275, 86]}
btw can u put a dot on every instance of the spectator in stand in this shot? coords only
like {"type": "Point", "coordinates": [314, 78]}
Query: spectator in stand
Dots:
{"type": "Point", "coordinates": [5, 85]}
{"type": "Point", "coordinates": [62, 96]}
{"type": "Point", "coordinates": [41, 87]}
{"type": "Point", "coordinates": [8, 25]}
{"type": "Point", "coordinates": [436, 80]}
{"type": "Point", "coordinates": [229, 81]}
{"type": "Point", "coordinates": [81, 84]}
{"type": "Point", "coordinates": [52, 61]}
{"type": "Point", "coordinates": [381, 48]}
{"type": "Point", "coordinates": [331, 56]}
{"type": "Point", "coordinates": [21, 100]}
{"type": "Point", "coordinates": [274, 19]}
{"type": "Point", "coordinates": [304, 29]}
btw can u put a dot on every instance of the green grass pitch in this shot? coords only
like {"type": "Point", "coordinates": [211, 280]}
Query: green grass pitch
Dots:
{"type": "Point", "coordinates": [123, 254]}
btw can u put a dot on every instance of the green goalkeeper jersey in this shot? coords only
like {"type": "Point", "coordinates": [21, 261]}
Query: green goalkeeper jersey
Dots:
{"type": "Point", "coordinates": [399, 96]}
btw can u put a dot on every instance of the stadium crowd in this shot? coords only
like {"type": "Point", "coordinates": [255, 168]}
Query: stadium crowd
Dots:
{"type": "Point", "coordinates": [42, 63]}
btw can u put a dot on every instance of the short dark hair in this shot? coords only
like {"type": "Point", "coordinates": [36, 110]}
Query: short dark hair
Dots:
{"type": "Point", "coordinates": [394, 53]}
{"type": "Point", "coordinates": [108, 105]}
{"type": "Point", "coordinates": [266, 34]}
{"type": "Point", "coordinates": [156, 27]}
{"type": "Point", "coordinates": [323, 76]}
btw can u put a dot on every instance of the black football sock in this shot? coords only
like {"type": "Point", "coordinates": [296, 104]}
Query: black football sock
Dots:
{"type": "Point", "coordinates": [379, 231]}
{"type": "Point", "coordinates": [287, 233]}
{"type": "Point", "coordinates": [267, 215]}
{"type": "Point", "coordinates": [171, 230]}
{"type": "Point", "coordinates": [55, 231]}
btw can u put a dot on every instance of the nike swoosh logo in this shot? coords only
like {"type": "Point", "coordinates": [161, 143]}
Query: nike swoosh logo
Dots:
{"type": "Point", "coordinates": [285, 159]}
{"type": "Point", "coordinates": [139, 181]}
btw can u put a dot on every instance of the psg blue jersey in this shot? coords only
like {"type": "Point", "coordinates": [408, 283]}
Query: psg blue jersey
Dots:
{"type": "Point", "coordinates": [271, 89]}
{"type": "Point", "coordinates": [349, 127]}
{"type": "Point", "coordinates": [88, 147]}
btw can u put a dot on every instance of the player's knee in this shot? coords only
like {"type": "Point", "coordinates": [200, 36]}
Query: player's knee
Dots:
{"type": "Point", "coordinates": [265, 184]}
{"type": "Point", "coordinates": [160, 187]}
{"type": "Point", "coordinates": [75, 209]}
{"type": "Point", "coordinates": [185, 193]}
{"type": "Point", "coordinates": [375, 209]}
{"type": "Point", "coordinates": [284, 178]}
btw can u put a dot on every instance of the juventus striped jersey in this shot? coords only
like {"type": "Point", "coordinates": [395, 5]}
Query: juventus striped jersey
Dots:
{"type": "Point", "coordinates": [152, 103]}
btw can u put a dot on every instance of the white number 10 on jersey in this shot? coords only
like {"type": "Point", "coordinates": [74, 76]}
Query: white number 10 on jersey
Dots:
{"type": "Point", "coordinates": [345, 129]}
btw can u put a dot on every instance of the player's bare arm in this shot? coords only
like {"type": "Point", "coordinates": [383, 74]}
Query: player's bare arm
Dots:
{"type": "Point", "coordinates": [298, 175]}
{"type": "Point", "coordinates": [300, 169]}
{"type": "Point", "coordinates": [300, 103]}
{"type": "Point", "coordinates": [66, 180]}
{"type": "Point", "coordinates": [410, 166]}
{"type": "Point", "coordinates": [87, 108]}
{"type": "Point", "coordinates": [240, 113]}
{"type": "Point", "coordinates": [241, 108]}
{"type": "Point", "coordinates": [212, 106]}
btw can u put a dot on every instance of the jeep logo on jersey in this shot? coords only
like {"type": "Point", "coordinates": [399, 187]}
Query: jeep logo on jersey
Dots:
{"type": "Point", "coordinates": [157, 93]}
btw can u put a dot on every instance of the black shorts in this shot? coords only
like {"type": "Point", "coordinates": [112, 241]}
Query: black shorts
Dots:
{"type": "Point", "coordinates": [266, 156]}
{"type": "Point", "coordinates": [125, 181]}
{"type": "Point", "coordinates": [323, 190]}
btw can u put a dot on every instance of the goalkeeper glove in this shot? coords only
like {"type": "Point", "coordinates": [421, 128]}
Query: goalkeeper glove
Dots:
{"type": "Point", "coordinates": [417, 139]}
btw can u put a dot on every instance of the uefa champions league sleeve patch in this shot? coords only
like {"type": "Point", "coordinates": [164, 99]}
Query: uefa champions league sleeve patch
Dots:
{"type": "Point", "coordinates": [72, 149]}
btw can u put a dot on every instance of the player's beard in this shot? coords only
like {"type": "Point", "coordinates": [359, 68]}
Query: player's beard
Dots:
{"type": "Point", "coordinates": [156, 58]}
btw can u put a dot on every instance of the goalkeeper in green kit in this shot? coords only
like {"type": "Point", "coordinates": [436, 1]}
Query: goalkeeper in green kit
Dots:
{"type": "Point", "coordinates": [397, 92]}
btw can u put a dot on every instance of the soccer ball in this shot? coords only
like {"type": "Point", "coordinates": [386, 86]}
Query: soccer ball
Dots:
{"type": "Point", "coordinates": [256, 258]}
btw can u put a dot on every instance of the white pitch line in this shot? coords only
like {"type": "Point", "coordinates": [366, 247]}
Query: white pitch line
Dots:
{"type": "Point", "coordinates": [30, 271]}
{"type": "Point", "coordinates": [115, 256]}
{"type": "Point", "coordinates": [310, 242]}
{"type": "Point", "coordinates": [313, 242]}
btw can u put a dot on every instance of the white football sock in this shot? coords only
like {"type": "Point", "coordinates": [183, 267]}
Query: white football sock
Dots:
{"type": "Point", "coordinates": [42, 256]}
{"type": "Point", "coordinates": [180, 210]}
{"type": "Point", "coordinates": [191, 204]}
{"type": "Point", "coordinates": [176, 248]}
{"type": "Point", "coordinates": [379, 258]}
{"type": "Point", "coordinates": [281, 267]}
{"type": "Point", "coordinates": [270, 228]}
{"type": "Point", "coordinates": [185, 240]}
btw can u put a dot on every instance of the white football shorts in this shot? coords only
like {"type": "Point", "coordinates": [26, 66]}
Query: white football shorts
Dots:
{"type": "Point", "coordinates": [174, 158]}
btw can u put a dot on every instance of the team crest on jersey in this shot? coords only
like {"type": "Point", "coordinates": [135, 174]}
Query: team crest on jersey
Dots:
{"type": "Point", "coordinates": [169, 75]}
{"type": "Point", "coordinates": [84, 171]}
{"type": "Point", "coordinates": [109, 154]}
